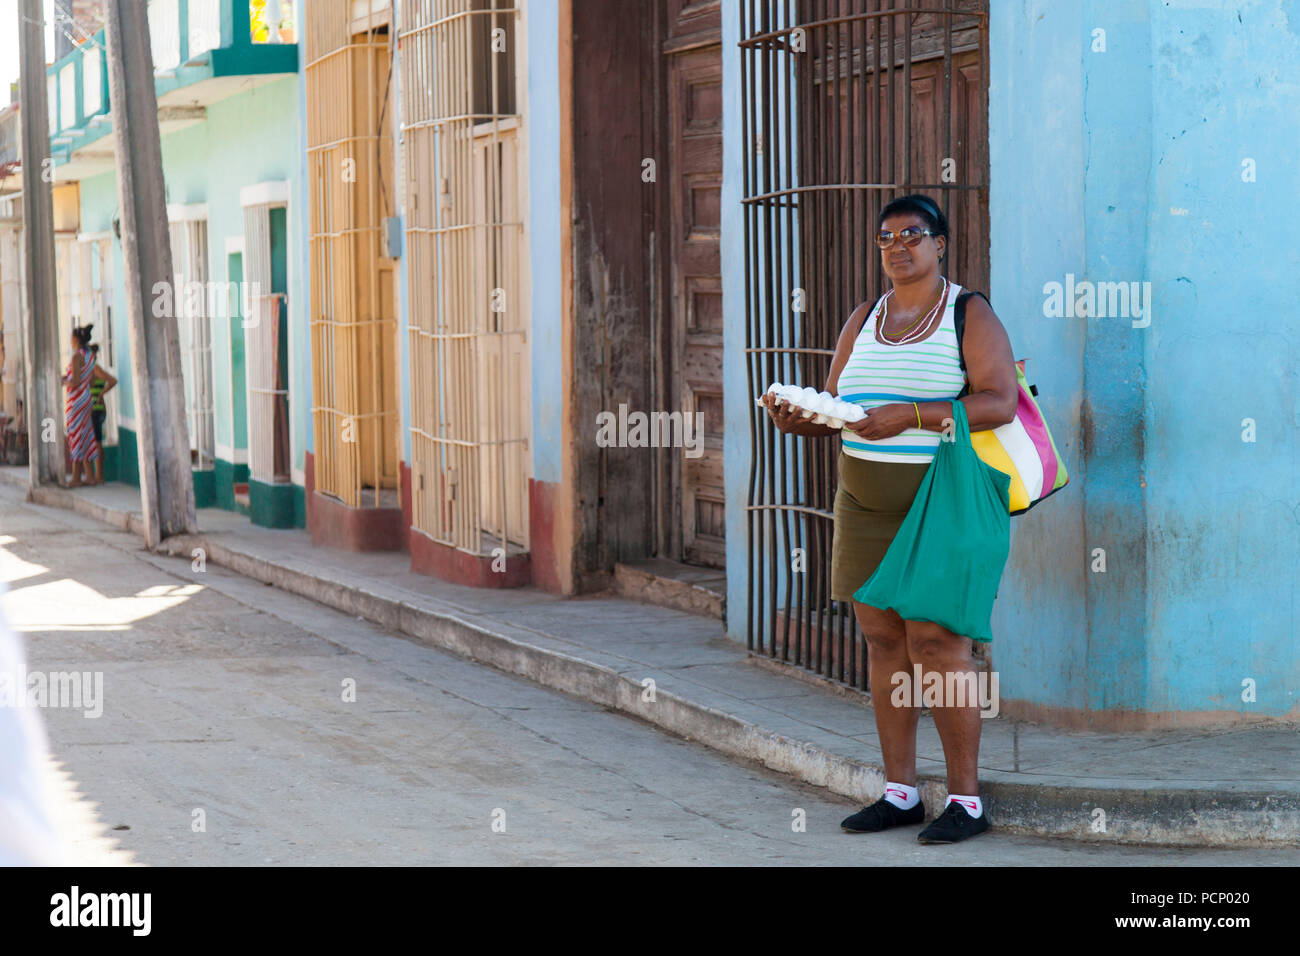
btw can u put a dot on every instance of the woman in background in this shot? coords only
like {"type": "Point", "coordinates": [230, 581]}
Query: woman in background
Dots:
{"type": "Point", "coordinates": [101, 383]}
{"type": "Point", "coordinates": [82, 448]}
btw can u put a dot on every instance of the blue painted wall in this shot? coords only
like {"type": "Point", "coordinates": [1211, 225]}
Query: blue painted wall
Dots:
{"type": "Point", "coordinates": [737, 448]}
{"type": "Point", "coordinates": [403, 318]}
{"type": "Point", "coordinates": [1126, 165]}
{"type": "Point", "coordinates": [544, 250]}
{"type": "Point", "coordinates": [1224, 346]}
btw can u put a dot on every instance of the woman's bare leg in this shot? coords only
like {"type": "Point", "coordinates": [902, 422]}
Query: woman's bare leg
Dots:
{"type": "Point", "coordinates": [940, 651]}
{"type": "Point", "coordinates": [887, 655]}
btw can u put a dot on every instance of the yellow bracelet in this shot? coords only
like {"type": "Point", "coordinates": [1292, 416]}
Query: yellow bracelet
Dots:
{"type": "Point", "coordinates": [918, 414]}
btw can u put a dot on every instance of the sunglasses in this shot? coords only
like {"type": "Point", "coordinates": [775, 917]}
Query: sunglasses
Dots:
{"type": "Point", "coordinates": [911, 236]}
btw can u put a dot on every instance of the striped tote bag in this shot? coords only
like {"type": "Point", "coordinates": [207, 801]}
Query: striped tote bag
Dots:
{"type": "Point", "coordinates": [1023, 448]}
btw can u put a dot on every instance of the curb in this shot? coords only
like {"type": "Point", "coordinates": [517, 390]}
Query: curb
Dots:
{"type": "Point", "coordinates": [1190, 817]}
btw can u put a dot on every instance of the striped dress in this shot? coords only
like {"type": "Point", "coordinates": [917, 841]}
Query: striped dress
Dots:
{"type": "Point", "coordinates": [924, 371]}
{"type": "Point", "coordinates": [81, 431]}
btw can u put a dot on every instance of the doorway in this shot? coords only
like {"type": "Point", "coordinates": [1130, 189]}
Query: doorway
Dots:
{"type": "Point", "coordinates": [848, 104]}
{"type": "Point", "coordinates": [693, 503]}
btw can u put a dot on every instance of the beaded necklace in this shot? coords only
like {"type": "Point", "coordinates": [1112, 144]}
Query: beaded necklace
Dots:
{"type": "Point", "coordinates": [920, 325]}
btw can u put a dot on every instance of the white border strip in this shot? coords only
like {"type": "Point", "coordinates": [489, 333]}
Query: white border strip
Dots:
{"type": "Point", "coordinates": [236, 456]}
{"type": "Point", "coordinates": [274, 193]}
{"type": "Point", "coordinates": [192, 212]}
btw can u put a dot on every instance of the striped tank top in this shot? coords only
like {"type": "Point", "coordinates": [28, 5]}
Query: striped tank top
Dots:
{"type": "Point", "coordinates": [924, 371]}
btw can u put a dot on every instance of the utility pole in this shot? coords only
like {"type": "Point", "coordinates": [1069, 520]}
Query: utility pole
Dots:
{"type": "Point", "coordinates": [41, 316]}
{"type": "Point", "coordinates": [166, 484]}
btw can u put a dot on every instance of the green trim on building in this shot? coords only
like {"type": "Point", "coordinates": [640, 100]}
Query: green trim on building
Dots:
{"type": "Point", "coordinates": [205, 487]}
{"type": "Point", "coordinates": [111, 457]}
{"type": "Point", "coordinates": [237, 55]}
{"type": "Point", "coordinates": [228, 476]}
{"type": "Point", "coordinates": [128, 457]}
{"type": "Point", "coordinates": [238, 379]}
{"type": "Point", "coordinates": [126, 469]}
{"type": "Point", "coordinates": [275, 505]}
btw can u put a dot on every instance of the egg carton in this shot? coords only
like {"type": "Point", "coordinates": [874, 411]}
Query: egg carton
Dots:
{"type": "Point", "coordinates": [822, 407]}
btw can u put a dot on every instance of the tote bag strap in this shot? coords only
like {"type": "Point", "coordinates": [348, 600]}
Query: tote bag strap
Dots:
{"type": "Point", "coordinates": [959, 321]}
{"type": "Point", "coordinates": [961, 425]}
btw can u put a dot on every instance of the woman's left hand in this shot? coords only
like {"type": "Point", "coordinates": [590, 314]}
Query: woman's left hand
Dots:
{"type": "Point", "coordinates": [886, 421]}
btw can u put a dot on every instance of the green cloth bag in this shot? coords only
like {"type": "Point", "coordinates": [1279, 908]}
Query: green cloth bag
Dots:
{"type": "Point", "coordinates": [945, 563]}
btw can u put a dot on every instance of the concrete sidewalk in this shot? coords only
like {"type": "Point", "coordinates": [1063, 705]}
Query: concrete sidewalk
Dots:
{"type": "Point", "coordinates": [1195, 788]}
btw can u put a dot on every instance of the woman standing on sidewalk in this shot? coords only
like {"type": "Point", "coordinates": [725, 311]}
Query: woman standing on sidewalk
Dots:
{"type": "Point", "coordinates": [900, 360]}
{"type": "Point", "coordinates": [101, 382]}
{"type": "Point", "coordinates": [82, 447]}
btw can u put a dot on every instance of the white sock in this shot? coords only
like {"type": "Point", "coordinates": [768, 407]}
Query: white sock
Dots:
{"type": "Point", "coordinates": [972, 805]}
{"type": "Point", "coordinates": [901, 795]}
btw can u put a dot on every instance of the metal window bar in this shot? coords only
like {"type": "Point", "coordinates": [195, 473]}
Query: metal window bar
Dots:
{"type": "Point", "coordinates": [841, 113]}
{"type": "Point", "coordinates": [204, 26]}
{"type": "Point", "coordinates": [354, 323]}
{"type": "Point", "coordinates": [165, 34]}
{"type": "Point", "coordinates": [470, 426]}
{"type": "Point", "coordinates": [268, 394]}
{"type": "Point", "coordinates": [65, 269]}
{"type": "Point", "coordinates": [92, 87]}
{"type": "Point", "coordinates": [11, 311]}
{"type": "Point", "coordinates": [189, 240]}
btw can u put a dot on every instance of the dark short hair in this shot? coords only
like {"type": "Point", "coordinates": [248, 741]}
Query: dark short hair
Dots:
{"type": "Point", "coordinates": [921, 205]}
{"type": "Point", "coordinates": [82, 333]}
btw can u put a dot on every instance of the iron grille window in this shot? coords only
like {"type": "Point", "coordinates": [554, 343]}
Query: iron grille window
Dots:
{"type": "Point", "coordinates": [468, 317]}
{"type": "Point", "coordinates": [189, 239]}
{"type": "Point", "coordinates": [847, 104]}
{"type": "Point", "coordinates": [492, 65]}
{"type": "Point", "coordinates": [354, 325]}
{"type": "Point", "coordinates": [266, 342]}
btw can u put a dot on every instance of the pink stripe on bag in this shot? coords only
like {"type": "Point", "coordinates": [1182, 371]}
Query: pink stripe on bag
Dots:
{"type": "Point", "coordinates": [1032, 420]}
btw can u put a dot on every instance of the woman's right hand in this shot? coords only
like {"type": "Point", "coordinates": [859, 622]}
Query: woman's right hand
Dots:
{"type": "Point", "coordinates": [786, 416]}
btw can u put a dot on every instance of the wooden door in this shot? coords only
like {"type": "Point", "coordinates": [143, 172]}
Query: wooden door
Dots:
{"type": "Point", "coordinates": [693, 73]}
{"type": "Point", "coordinates": [502, 379]}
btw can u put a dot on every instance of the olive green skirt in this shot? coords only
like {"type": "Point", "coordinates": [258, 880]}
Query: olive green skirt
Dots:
{"type": "Point", "coordinates": [870, 503]}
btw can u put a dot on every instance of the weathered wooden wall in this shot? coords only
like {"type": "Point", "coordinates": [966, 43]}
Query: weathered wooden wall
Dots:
{"type": "Point", "coordinates": [616, 116]}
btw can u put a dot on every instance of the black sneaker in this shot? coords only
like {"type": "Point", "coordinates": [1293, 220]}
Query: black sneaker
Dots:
{"type": "Point", "coordinates": [882, 815]}
{"type": "Point", "coordinates": [953, 826]}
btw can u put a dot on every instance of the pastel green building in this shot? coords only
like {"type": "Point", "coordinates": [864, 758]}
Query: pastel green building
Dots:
{"type": "Point", "coordinates": [228, 88]}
